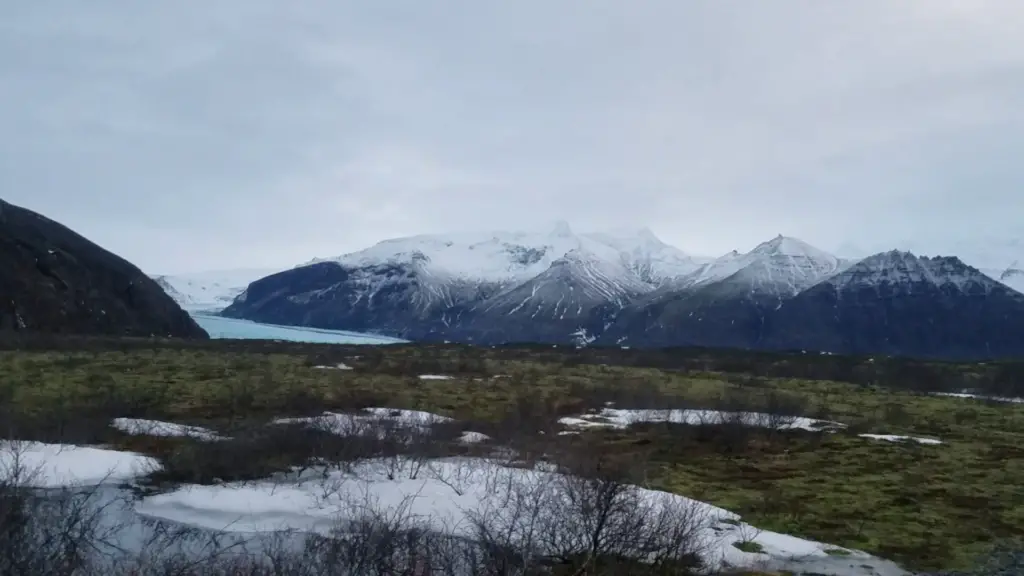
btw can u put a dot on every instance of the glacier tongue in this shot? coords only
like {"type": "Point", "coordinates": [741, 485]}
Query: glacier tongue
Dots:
{"type": "Point", "coordinates": [211, 290]}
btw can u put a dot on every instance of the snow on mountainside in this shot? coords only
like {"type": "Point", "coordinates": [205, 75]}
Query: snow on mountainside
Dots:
{"type": "Point", "coordinates": [900, 271]}
{"type": "Point", "coordinates": [782, 265]}
{"type": "Point", "coordinates": [508, 258]}
{"type": "Point", "coordinates": [211, 290]}
{"type": "Point", "coordinates": [652, 260]}
{"type": "Point", "coordinates": [576, 297]}
{"type": "Point", "coordinates": [579, 280]}
{"type": "Point", "coordinates": [998, 258]}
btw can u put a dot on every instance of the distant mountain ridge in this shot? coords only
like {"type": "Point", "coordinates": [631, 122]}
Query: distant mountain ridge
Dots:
{"type": "Point", "coordinates": [630, 288]}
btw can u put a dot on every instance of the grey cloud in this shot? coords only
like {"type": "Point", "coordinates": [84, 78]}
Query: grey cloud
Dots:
{"type": "Point", "coordinates": [237, 133]}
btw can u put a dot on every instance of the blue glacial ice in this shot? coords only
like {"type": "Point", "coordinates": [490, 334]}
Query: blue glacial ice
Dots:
{"type": "Point", "coordinates": [219, 327]}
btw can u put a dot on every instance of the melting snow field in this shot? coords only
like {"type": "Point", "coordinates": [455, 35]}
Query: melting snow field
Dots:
{"type": "Point", "coordinates": [140, 427]}
{"type": "Point", "coordinates": [893, 438]}
{"type": "Point", "coordinates": [351, 424]}
{"type": "Point", "coordinates": [621, 418]}
{"type": "Point", "coordinates": [980, 397]}
{"type": "Point", "coordinates": [446, 493]}
{"type": "Point", "coordinates": [338, 366]}
{"type": "Point", "coordinates": [219, 327]}
{"type": "Point", "coordinates": [54, 465]}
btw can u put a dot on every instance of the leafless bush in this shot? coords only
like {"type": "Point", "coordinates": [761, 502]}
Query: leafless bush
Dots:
{"type": "Point", "coordinates": [375, 540]}
{"type": "Point", "coordinates": [587, 517]}
{"type": "Point", "coordinates": [458, 474]}
{"type": "Point", "coordinates": [47, 531]}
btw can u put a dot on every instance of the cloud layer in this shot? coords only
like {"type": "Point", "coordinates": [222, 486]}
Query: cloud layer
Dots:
{"type": "Point", "coordinates": [236, 133]}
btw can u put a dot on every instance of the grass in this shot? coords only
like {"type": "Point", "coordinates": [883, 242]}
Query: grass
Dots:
{"type": "Point", "coordinates": [926, 507]}
{"type": "Point", "coordinates": [749, 546]}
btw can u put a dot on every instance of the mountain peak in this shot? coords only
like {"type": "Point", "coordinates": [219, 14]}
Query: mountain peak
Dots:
{"type": "Point", "coordinates": [780, 265]}
{"type": "Point", "coordinates": [561, 229]}
{"type": "Point", "coordinates": [789, 246]}
{"type": "Point", "coordinates": [900, 267]}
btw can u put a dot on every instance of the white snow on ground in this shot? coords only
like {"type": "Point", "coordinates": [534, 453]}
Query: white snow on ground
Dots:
{"type": "Point", "coordinates": [338, 366]}
{"type": "Point", "coordinates": [894, 438]}
{"type": "Point", "coordinates": [351, 424]}
{"type": "Point", "coordinates": [434, 377]}
{"type": "Point", "coordinates": [473, 437]}
{"type": "Point", "coordinates": [621, 418]}
{"type": "Point", "coordinates": [142, 427]}
{"type": "Point", "coordinates": [443, 495]}
{"type": "Point", "coordinates": [980, 397]}
{"type": "Point", "coordinates": [53, 465]}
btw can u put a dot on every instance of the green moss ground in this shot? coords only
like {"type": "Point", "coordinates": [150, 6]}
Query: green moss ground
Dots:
{"type": "Point", "coordinates": [925, 506]}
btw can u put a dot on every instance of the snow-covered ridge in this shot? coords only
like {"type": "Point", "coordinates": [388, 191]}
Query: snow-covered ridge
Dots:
{"type": "Point", "coordinates": [652, 260]}
{"type": "Point", "coordinates": [212, 290]}
{"type": "Point", "coordinates": [782, 265]}
{"type": "Point", "coordinates": [905, 269]}
{"type": "Point", "coordinates": [552, 270]}
{"type": "Point", "coordinates": [570, 286]}
{"type": "Point", "coordinates": [999, 258]}
{"type": "Point", "coordinates": [514, 257]}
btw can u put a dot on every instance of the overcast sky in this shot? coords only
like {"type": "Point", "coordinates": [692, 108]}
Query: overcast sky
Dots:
{"type": "Point", "coordinates": [235, 133]}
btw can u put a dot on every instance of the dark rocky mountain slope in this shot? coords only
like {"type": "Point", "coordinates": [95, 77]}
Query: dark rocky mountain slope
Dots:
{"type": "Point", "coordinates": [56, 281]}
{"type": "Point", "coordinates": [900, 304]}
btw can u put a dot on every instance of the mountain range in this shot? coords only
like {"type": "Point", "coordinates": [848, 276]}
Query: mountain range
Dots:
{"type": "Point", "coordinates": [628, 288]}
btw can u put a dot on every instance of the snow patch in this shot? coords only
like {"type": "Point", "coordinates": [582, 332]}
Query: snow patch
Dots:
{"type": "Point", "coordinates": [355, 424]}
{"type": "Point", "coordinates": [42, 465]}
{"type": "Point", "coordinates": [338, 366]}
{"type": "Point", "coordinates": [622, 418]}
{"type": "Point", "coordinates": [142, 427]}
{"type": "Point", "coordinates": [894, 438]}
{"type": "Point", "coordinates": [441, 495]}
{"type": "Point", "coordinates": [980, 397]}
{"type": "Point", "coordinates": [473, 438]}
{"type": "Point", "coordinates": [434, 377]}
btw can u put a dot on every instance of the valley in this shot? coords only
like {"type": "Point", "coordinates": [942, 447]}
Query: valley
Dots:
{"type": "Point", "coordinates": [855, 453]}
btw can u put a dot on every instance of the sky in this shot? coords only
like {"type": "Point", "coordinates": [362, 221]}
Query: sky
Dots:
{"type": "Point", "coordinates": [190, 136]}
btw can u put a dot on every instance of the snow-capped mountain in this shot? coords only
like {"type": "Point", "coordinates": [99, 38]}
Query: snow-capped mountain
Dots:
{"type": "Point", "coordinates": [652, 260]}
{"type": "Point", "coordinates": [212, 290]}
{"type": "Point", "coordinates": [616, 288]}
{"type": "Point", "coordinates": [511, 257]}
{"type": "Point", "coordinates": [782, 265]}
{"type": "Point", "coordinates": [724, 302]}
{"type": "Point", "coordinates": [899, 303]}
{"type": "Point", "coordinates": [579, 293]}
{"type": "Point", "coordinates": [998, 258]}
{"type": "Point", "coordinates": [428, 285]}
{"type": "Point", "coordinates": [463, 269]}
{"type": "Point", "coordinates": [899, 272]}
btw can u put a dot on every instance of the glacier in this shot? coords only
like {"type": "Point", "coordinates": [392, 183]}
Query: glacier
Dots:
{"type": "Point", "coordinates": [231, 328]}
